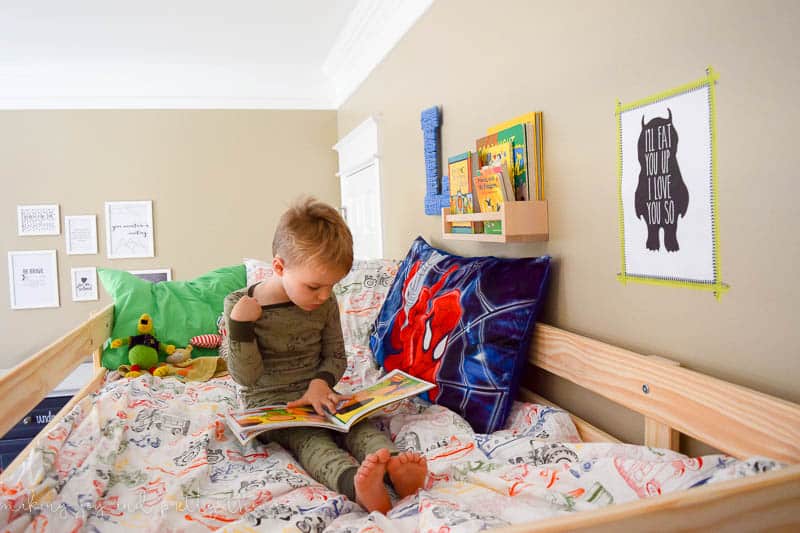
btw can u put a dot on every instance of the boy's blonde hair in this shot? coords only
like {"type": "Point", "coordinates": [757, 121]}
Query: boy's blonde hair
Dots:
{"type": "Point", "coordinates": [313, 232]}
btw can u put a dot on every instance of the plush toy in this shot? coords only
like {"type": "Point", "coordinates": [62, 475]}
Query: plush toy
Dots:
{"type": "Point", "coordinates": [211, 340]}
{"type": "Point", "coordinates": [207, 340]}
{"type": "Point", "coordinates": [143, 348]}
{"type": "Point", "coordinates": [180, 355]}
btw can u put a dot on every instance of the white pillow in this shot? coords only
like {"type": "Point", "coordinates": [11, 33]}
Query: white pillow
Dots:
{"type": "Point", "coordinates": [257, 270]}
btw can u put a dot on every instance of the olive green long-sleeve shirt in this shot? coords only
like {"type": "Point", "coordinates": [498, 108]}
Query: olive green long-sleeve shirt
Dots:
{"type": "Point", "coordinates": [274, 358]}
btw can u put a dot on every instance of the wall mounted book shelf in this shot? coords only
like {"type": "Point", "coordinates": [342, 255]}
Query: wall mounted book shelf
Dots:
{"type": "Point", "coordinates": [521, 222]}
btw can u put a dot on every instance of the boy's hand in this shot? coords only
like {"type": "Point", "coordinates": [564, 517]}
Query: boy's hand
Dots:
{"type": "Point", "coordinates": [319, 395]}
{"type": "Point", "coordinates": [247, 309]}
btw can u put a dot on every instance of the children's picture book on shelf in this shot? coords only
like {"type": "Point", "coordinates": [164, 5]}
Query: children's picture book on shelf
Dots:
{"type": "Point", "coordinates": [516, 135]}
{"type": "Point", "coordinates": [533, 124]}
{"type": "Point", "coordinates": [393, 387]}
{"type": "Point", "coordinates": [490, 192]}
{"type": "Point", "coordinates": [461, 169]}
{"type": "Point", "coordinates": [492, 154]}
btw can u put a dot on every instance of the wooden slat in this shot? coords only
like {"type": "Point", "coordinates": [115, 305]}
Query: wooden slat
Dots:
{"type": "Point", "coordinates": [97, 357]}
{"type": "Point", "coordinates": [93, 385]}
{"type": "Point", "coordinates": [42, 372]}
{"type": "Point", "coordinates": [587, 431]}
{"type": "Point", "coordinates": [488, 237]}
{"type": "Point", "coordinates": [656, 434]}
{"type": "Point", "coordinates": [527, 218]}
{"type": "Point", "coordinates": [766, 502]}
{"type": "Point", "coordinates": [734, 419]}
{"type": "Point", "coordinates": [521, 222]}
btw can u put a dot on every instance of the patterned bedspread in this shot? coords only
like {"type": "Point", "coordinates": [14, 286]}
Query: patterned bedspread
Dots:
{"type": "Point", "coordinates": [155, 455]}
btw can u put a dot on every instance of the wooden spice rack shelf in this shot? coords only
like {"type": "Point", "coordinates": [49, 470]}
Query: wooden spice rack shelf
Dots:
{"type": "Point", "coordinates": [521, 222]}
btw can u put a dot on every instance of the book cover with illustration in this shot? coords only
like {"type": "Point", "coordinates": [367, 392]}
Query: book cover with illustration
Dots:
{"type": "Point", "coordinates": [393, 387]}
{"type": "Point", "coordinates": [462, 200]}
{"type": "Point", "coordinates": [490, 191]}
{"type": "Point", "coordinates": [533, 124]}
{"type": "Point", "coordinates": [516, 135]}
{"type": "Point", "coordinates": [493, 153]}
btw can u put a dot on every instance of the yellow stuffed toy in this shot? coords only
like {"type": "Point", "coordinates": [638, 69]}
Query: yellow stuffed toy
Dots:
{"type": "Point", "coordinates": [143, 348]}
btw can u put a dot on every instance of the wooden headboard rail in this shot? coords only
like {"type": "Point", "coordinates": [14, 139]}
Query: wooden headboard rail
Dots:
{"type": "Point", "coordinates": [736, 420]}
{"type": "Point", "coordinates": [29, 382]}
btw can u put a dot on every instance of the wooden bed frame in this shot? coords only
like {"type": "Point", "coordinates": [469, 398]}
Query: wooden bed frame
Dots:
{"type": "Point", "coordinates": [739, 421]}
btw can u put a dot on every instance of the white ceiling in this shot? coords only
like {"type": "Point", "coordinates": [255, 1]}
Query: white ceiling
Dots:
{"type": "Point", "coordinates": [294, 54]}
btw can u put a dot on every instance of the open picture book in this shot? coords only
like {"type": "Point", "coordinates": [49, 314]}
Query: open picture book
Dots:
{"type": "Point", "coordinates": [393, 387]}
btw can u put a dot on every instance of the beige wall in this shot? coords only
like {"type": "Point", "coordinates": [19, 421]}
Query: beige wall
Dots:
{"type": "Point", "coordinates": [218, 181]}
{"type": "Point", "coordinates": [485, 63]}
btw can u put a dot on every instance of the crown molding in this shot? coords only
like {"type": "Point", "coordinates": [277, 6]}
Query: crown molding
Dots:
{"type": "Point", "coordinates": [373, 28]}
{"type": "Point", "coordinates": [164, 102]}
{"type": "Point", "coordinates": [103, 85]}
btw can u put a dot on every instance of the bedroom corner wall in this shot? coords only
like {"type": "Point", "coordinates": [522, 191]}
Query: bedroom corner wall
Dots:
{"type": "Point", "coordinates": [573, 60]}
{"type": "Point", "coordinates": [218, 181]}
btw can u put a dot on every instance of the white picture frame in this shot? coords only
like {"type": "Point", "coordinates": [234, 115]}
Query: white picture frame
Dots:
{"type": "Point", "coordinates": [84, 284]}
{"type": "Point", "coordinates": [40, 219]}
{"type": "Point", "coordinates": [33, 279]}
{"type": "Point", "coordinates": [129, 229]}
{"type": "Point", "coordinates": [81, 234]}
{"type": "Point", "coordinates": [154, 275]}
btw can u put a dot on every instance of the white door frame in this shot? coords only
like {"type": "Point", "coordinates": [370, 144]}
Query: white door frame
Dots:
{"type": "Point", "coordinates": [358, 150]}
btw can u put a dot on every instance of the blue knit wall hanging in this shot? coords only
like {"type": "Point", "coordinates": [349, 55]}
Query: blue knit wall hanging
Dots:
{"type": "Point", "coordinates": [437, 188]}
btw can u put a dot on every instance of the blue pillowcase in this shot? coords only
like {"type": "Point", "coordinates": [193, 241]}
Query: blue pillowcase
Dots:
{"type": "Point", "coordinates": [464, 323]}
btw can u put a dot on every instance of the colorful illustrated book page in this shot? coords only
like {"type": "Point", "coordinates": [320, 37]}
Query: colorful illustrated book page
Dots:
{"type": "Point", "coordinates": [394, 386]}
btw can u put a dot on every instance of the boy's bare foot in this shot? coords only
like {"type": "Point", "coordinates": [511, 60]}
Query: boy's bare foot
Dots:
{"type": "Point", "coordinates": [371, 493]}
{"type": "Point", "coordinates": [407, 470]}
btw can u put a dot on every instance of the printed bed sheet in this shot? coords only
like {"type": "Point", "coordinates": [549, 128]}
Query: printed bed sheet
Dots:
{"type": "Point", "coordinates": [154, 455]}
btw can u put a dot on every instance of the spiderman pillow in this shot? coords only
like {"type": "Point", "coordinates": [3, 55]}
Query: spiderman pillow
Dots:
{"type": "Point", "coordinates": [464, 323]}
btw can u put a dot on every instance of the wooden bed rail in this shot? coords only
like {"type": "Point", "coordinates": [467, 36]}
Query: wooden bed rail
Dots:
{"type": "Point", "coordinates": [736, 420]}
{"type": "Point", "coordinates": [29, 382]}
{"type": "Point", "coordinates": [766, 502]}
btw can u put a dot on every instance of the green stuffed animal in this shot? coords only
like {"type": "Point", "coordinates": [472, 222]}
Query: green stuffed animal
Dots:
{"type": "Point", "coordinates": [143, 348]}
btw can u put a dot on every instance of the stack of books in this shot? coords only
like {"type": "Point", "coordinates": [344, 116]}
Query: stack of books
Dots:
{"type": "Point", "coordinates": [506, 166]}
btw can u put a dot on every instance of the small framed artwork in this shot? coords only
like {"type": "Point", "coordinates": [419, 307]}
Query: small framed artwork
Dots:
{"type": "Point", "coordinates": [154, 274]}
{"type": "Point", "coordinates": [129, 229]}
{"type": "Point", "coordinates": [33, 279]}
{"type": "Point", "coordinates": [84, 284]}
{"type": "Point", "coordinates": [81, 232]}
{"type": "Point", "coordinates": [38, 220]}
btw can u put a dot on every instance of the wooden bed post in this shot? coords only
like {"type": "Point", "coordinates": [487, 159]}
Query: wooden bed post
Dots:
{"type": "Point", "coordinates": [42, 372]}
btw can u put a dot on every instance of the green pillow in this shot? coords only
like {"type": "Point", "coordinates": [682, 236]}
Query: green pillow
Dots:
{"type": "Point", "coordinates": [179, 309]}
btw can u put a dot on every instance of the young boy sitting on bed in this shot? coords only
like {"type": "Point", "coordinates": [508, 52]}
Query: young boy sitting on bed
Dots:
{"type": "Point", "coordinates": [286, 346]}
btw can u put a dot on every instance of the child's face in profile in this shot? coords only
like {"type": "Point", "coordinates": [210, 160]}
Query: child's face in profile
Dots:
{"type": "Point", "coordinates": [309, 285]}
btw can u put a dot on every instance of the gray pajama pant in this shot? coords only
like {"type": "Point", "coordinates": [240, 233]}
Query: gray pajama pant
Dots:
{"type": "Point", "coordinates": [320, 451]}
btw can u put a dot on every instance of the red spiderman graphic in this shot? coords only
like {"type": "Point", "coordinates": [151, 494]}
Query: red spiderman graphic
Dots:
{"type": "Point", "coordinates": [421, 330]}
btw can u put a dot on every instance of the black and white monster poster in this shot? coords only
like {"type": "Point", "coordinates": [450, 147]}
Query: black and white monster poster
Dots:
{"type": "Point", "coordinates": [667, 189]}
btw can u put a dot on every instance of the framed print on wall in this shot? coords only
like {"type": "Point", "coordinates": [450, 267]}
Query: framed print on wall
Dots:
{"type": "Point", "coordinates": [129, 229]}
{"type": "Point", "coordinates": [38, 220]}
{"type": "Point", "coordinates": [33, 279]}
{"type": "Point", "coordinates": [154, 274]}
{"type": "Point", "coordinates": [84, 284]}
{"type": "Point", "coordinates": [81, 232]}
{"type": "Point", "coordinates": [667, 188]}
